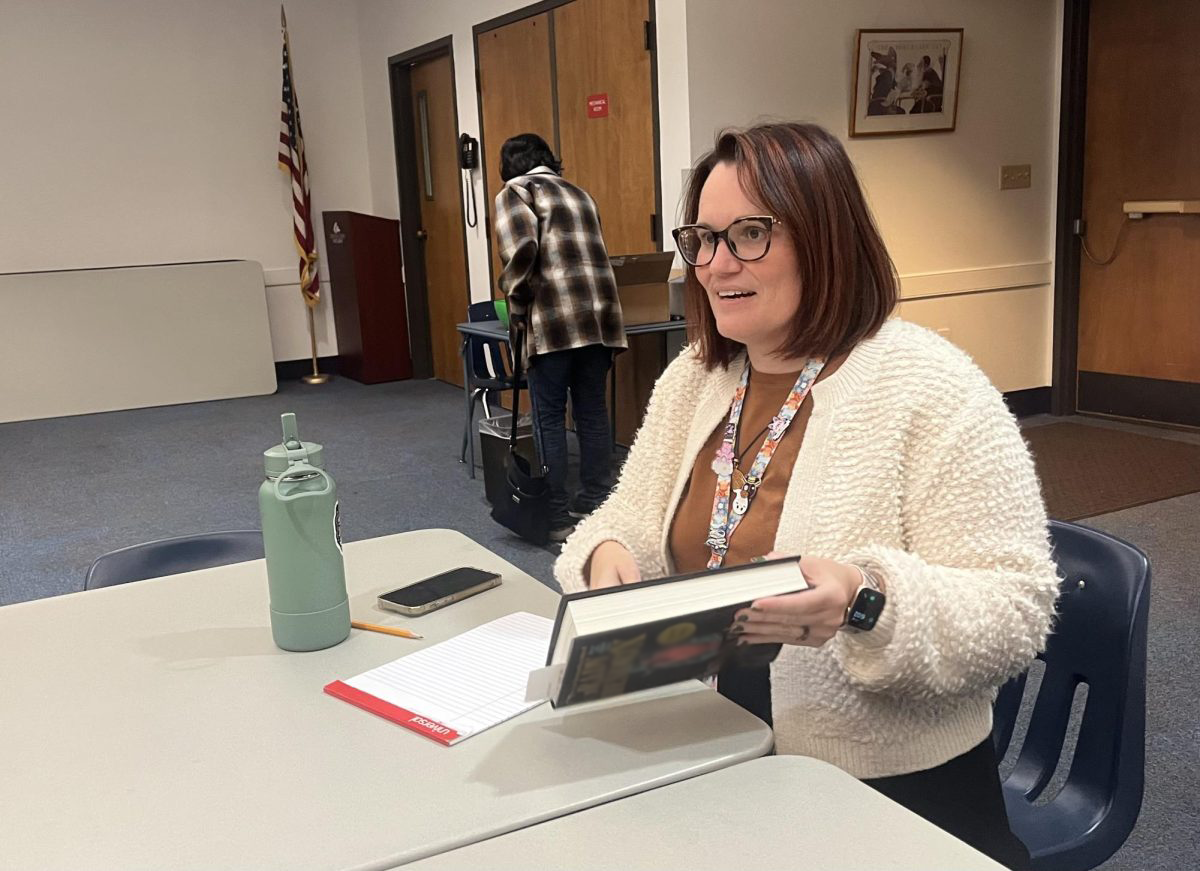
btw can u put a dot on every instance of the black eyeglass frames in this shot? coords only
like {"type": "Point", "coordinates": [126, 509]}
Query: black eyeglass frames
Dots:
{"type": "Point", "coordinates": [748, 239]}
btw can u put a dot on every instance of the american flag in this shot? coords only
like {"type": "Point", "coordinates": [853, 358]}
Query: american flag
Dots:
{"type": "Point", "coordinates": [293, 162]}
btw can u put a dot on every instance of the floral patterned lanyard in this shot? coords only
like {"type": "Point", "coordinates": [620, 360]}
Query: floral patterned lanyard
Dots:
{"type": "Point", "coordinates": [726, 517]}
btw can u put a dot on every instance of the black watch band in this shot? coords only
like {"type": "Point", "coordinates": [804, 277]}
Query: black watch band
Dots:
{"type": "Point", "coordinates": [868, 603]}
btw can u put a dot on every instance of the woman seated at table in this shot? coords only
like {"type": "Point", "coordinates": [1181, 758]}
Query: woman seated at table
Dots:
{"type": "Point", "coordinates": [804, 421]}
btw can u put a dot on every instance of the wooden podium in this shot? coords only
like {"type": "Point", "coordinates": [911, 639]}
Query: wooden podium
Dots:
{"type": "Point", "coordinates": [368, 297]}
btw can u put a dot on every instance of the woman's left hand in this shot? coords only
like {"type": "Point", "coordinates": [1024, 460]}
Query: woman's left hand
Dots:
{"type": "Point", "coordinates": [810, 617]}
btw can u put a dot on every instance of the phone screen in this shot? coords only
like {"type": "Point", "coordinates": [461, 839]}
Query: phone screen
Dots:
{"type": "Point", "coordinates": [437, 587]}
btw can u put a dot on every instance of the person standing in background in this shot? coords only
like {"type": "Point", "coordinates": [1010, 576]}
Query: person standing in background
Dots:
{"type": "Point", "coordinates": [929, 90]}
{"type": "Point", "coordinates": [562, 293]}
{"type": "Point", "coordinates": [883, 82]}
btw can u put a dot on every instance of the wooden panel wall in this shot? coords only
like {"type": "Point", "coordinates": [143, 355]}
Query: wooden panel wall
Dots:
{"type": "Point", "coordinates": [1141, 315]}
{"type": "Point", "coordinates": [600, 49]}
{"type": "Point", "coordinates": [516, 97]}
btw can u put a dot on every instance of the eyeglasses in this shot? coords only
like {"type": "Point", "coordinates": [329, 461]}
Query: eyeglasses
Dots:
{"type": "Point", "coordinates": [748, 239]}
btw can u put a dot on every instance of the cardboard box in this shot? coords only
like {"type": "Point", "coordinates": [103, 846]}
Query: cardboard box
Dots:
{"type": "Point", "coordinates": [642, 286]}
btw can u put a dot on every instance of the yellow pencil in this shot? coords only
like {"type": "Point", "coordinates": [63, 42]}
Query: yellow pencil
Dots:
{"type": "Point", "coordinates": [386, 630]}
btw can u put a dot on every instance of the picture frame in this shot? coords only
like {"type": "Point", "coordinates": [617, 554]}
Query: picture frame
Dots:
{"type": "Point", "coordinates": [906, 80]}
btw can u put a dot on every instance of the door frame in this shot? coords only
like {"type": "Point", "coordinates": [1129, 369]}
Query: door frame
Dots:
{"type": "Point", "coordinates": [537, 9]}
{"type": "Point", "coordinates": [416, 288]}
{"type": "Point", "coordinates": [1152, 401]}
{"type": "Point", "coordinates": [1064, 384]}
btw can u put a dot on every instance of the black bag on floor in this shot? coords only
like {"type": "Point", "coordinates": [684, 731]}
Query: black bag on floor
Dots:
{"type": "Point", "coordinates": [524, 505]}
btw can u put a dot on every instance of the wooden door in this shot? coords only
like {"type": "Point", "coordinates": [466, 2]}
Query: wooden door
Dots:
{"type": "Point", "coordinates": [580, 76]}
{"type": "Point", "coordinates": [439, 184]}
{"type": "Point", "coordinates": [515, 92]}
{"type": "Point", "coordinates": [1139, 317]}
{"type": "Point", "coordinates": [606, 126]}
{"type": "Point", "coordinates": [606, 117]}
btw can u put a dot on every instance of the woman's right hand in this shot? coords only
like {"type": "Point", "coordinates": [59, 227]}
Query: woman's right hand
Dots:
{"type": "Point", "coordinates": [612, 565]}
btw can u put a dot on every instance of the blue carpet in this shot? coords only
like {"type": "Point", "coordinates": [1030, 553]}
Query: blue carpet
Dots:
{"type": "Point", "coordinates": [78, 487]}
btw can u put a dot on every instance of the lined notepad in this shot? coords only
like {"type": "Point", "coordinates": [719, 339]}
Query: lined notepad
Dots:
{"type": "Point", "coordinates": [456, 688]}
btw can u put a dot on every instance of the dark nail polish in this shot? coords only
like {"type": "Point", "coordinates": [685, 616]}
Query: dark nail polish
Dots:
{"type": "Point", "coordinates": [742, 618]}
{"type": "Point", "coordinates": [737, 630]}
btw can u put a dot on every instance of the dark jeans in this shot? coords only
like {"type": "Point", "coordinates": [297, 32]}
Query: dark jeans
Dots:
{"type": "Point", "coordinates": [583, 374]}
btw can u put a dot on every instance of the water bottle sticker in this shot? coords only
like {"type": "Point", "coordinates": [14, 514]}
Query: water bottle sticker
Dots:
{"type": "Point", "coordinates": [337, 525]}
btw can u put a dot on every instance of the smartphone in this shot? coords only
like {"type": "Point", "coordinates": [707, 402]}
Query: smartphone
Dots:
{"type": "Point", "coordinates": [438, 591]}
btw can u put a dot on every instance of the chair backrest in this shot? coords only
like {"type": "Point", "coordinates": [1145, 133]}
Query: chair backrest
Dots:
{"type": "Point", "coordinates": [171, 556]}
{"type": "Point", "coordinates": [487, 361]}
{"type": "Point", "coordinates": [1099, 639]}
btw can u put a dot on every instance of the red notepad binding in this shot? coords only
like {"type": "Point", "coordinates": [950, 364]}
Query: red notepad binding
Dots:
{"type": "Point", "coordinates": [421, 725]}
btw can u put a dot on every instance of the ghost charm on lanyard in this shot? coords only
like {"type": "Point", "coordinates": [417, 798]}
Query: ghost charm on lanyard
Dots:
{"type": "Point", "coordinates": [741, 502]}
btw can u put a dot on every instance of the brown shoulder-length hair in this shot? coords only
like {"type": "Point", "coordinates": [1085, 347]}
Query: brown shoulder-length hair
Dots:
{"type": "Point", "coordinates": [802, 175]}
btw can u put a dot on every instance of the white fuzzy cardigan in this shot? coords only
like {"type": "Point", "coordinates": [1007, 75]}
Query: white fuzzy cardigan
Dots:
{"type": "Point", "coordinates": [912, 466]}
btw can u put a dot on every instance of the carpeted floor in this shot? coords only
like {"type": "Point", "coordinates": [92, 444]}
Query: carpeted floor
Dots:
{"type": "Point", "coordinates": [73, 488]}
{"type": "Point", "coordinates": [1090, 470]}
{"type": "Point", "coordinates": [78, 487]}
{"type": "Point", "coordinates": [1166, 835]}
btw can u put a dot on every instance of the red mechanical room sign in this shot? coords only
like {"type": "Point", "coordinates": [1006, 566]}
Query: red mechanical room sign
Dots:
{"type": "Point", "coordinates": [597, 106]}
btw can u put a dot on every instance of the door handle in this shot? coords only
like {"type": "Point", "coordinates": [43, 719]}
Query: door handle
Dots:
{"type": "Point", "coordinates": [422, 235]}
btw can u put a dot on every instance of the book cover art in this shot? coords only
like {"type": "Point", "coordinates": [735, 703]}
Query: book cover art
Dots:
{"type": "Point", "coordinates": [654, 654]}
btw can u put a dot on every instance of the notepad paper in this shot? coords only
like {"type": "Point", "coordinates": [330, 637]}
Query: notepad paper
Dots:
{"type": "Point", "coordinates": [456, 688]}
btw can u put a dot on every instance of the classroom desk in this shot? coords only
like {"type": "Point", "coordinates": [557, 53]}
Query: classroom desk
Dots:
{"type": "Point", "coordinates": [156, 725]}
{"type": "Point", "coordinates": [497, 332]}
{"type": "Point", "coordinates": [779, 812]}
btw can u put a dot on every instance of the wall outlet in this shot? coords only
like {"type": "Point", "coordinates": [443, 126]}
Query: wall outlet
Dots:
{"type": "Point", "coordinates": [1017, 175]}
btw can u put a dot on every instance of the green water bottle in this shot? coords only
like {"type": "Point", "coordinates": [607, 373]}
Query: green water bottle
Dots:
{"type": "Point", "coordinates": [302, 538]}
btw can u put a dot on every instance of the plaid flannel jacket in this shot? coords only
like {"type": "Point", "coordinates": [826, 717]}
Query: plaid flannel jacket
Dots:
{"type": "Point", "coordinates": [556, 272]}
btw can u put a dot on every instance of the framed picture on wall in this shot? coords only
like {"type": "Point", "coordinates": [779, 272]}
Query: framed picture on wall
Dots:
{"type": "Point", "coordinates": [905, 81]}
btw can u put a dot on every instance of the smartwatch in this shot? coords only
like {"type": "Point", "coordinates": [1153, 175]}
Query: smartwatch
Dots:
{"type": "Point", "coordinates": [863, 612]}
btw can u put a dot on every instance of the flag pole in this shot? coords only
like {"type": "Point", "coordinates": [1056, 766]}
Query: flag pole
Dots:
{"type": "Point", "coordinates": [317, 377]}
{"type": "Point", "coordinates": [291, 160]}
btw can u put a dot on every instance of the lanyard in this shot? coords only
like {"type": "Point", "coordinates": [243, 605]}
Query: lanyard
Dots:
{"type": "Point", "coordinates": [726, 516]}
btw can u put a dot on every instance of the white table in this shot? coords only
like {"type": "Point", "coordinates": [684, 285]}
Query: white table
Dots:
{"type": "Point", "coordinates": [156, 725]}
{"type": "Point", "coordinates": [779, 812]}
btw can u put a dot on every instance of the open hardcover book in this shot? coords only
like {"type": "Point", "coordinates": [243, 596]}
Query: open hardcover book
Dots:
{"type": "Point", "coordinates": [639, 636]}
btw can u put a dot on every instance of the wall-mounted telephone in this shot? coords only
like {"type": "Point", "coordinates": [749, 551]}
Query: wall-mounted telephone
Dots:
{"type": "Point", "coordinates": [468, 152]}
{"type": "Point", "coordinates": [468, 159]}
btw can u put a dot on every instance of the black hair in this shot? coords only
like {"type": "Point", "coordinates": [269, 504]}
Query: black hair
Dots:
{"type": "Point", "coordinates": [522, 153]}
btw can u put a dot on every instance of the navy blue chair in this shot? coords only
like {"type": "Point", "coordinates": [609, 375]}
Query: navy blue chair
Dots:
{"type": "Point", "coordinates": [1099, 639]}
{"type": "Point", "coordinates": [171, 556]}
{"type": "Point", "coordinates": [486, 374]}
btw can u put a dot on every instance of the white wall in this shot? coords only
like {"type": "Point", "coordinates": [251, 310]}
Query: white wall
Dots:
{"type": "Point", "coordinates": [674, 110]}
{"type": "Point", "coordinates": [391, 27]}
{"type": "Point", "coordinates": [145, 131]}
{"type": "Point", "coordinates": [950, 230]}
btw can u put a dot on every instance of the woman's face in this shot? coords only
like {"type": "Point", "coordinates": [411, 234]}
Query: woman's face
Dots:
{"type": "Point", "coordinates": [753, 303]}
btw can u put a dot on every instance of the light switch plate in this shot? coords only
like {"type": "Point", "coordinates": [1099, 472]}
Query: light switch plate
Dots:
{"type": "Point", "coordinates": [1017, 175]}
